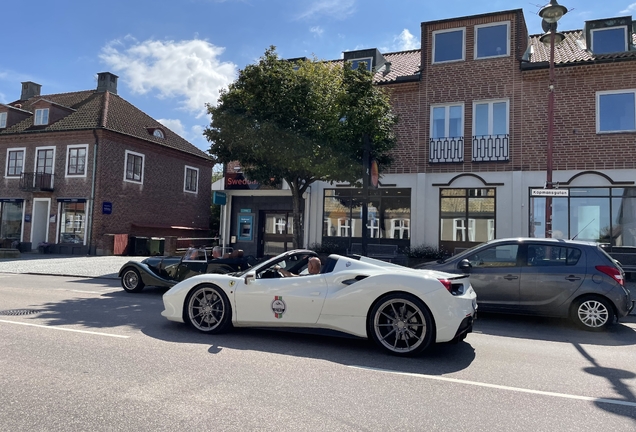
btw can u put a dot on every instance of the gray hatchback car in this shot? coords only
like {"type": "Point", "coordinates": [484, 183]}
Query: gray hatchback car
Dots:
{"type": "Point", "coordinates": [550, 277]}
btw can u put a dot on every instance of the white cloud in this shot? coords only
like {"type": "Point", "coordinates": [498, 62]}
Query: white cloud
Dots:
{"type": "Point", "coordinates": [189, 70]}
{"type": "Point", "coordinates": [406, 41]}
{"type": "Point", "coordinates": [317, 31]}
{"type": "Point", "coordinates": [338, 9]}
{"type": "Point", "coordinates": [174, 125]}
{"type": "Point", "coordinates": [631, 8]}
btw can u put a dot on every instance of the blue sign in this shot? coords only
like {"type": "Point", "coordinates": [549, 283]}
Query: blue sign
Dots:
{"type": "Point", "coordinates": [107, 207]}
{"type": "Point", "coordinates": [246, 210]}
{"type": "Point", "coordinates": [27, 218]}
{"type": "Point", "coordinates": [219, 198]}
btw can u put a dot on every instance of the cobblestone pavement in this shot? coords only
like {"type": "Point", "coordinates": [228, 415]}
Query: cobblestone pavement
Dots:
{"type": "Point", "coordinates": [105, 266]}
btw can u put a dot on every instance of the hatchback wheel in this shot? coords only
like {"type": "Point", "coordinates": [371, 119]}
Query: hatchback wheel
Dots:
{"type": "Point", "coordinates": [593, 313]}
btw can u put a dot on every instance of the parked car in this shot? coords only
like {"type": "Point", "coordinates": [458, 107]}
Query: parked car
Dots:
{"type": "Point", "coordinates": [167, 271]}
{"type": "Point", "coordinates": [551, 277]}
{"type": "Point", "coordinates": [402, 310]}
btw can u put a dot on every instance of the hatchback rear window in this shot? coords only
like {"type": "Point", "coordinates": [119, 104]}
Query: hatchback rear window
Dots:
{"type": "Point", "coordinates": [548, 255]}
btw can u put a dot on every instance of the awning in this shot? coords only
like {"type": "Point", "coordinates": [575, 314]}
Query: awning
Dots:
{"type": "Point", "coordinates": [11, 199]}
{"type": "Point", "coordinates": [73, 200]}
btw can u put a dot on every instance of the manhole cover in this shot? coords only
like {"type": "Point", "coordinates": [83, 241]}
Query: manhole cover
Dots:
{"type": "Point", "coordinates": [14, 312]}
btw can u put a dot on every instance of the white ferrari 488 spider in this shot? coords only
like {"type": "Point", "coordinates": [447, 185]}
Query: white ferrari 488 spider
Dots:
{"type": "Point", "coordinates": [402, 310]}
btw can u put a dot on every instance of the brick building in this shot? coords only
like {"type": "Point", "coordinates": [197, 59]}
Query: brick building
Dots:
{"type": "Point", "coordinates": [81, 167]}
{"type": "Point", "coordinates": [471, 159]}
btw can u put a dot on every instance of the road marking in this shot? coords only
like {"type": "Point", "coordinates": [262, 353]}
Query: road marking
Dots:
{"type": "Point", "coordinates": [500, 387]}
{"type": "Point", "coordinates": [66, 329]}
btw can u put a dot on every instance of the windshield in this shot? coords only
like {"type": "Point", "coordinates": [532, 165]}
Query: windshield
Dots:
{"type": "Point", "coordinates": [263, 264]}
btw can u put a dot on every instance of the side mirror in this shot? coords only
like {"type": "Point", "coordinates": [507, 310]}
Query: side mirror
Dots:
{"type": "Point", "coordinates": [465, 265]}
{"type": "Point", "coordinates": [249, 277]}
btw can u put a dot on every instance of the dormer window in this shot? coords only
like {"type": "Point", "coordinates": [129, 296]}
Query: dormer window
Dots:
{"type": "Point", "coordinates": [356, 63]}
{"type": "Point", "coordinates": [449, 45]}
{"type": "Point", "coordinates": [492, 40]}
{"type": "Point", "coordinates": [158, 133]}
{"type": "Point", "coordinates": [3, 120]}
{"type": "Point", "coordinates": [41, 117]}
{"type": "Point", "coordinates": [609, 40]}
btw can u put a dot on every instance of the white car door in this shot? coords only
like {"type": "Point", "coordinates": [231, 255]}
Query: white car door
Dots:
{"type": "Point", "coordinates": [288, 300]}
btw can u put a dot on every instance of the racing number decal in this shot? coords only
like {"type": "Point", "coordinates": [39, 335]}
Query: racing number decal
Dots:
{"type": "Point", "coordinates": [278, 306]}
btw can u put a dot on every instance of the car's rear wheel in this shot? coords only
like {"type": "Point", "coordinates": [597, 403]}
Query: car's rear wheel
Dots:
{"type": "Point", "coordinates": [208, 309]}
{"type": "Point", "coordinates": [592, 313]}
{"type": "Point", "coordinates": [131, 280]}
{"type": "Point", "coordinates": [401, 324]}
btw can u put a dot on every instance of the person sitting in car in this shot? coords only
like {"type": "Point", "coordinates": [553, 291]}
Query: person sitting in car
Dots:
{"type": "Point", "coordinates": [313, 268]}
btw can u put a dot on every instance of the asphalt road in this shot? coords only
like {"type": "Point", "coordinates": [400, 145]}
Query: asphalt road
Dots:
{"type": "Point", "coordinates": [92, 357]}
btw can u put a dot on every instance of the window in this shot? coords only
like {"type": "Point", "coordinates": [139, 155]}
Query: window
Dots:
{"type": "Point", "coordinates": [73, 222]}
{"type": "Point", "coordinates": [76, 161]}
{"type": "Point", "coordinates": [548, 255]}
{"type": "Point", "coordinates": [158, 133]}
{"type": "Point", "coordinates": [497, 256]}
{"type": "Point", "coordinates": [466, 215]}
{"type": "Point", "coordinates": [191, 181]}
{"type": "Point", "coordinates": [447, 121]}
{"type": "Point", "coordinates": [490, 118]}
{"type": "Point", "coordinates": [492, 40]}
{"type": "Point", "coordinates": [368, 63]}
{"type": "Point", "coordinates": [41, 117]}
{"type": "Point", "coordinates": [15, 162]}
{"type": "Point", "coordinates": [616, 111]}
{"type": "Point", "coordinates": [44, 160]}
{"type": "Point", "coordinates": [3, 120]}
{"type": "Point", "coordinates": [11, 220]}
{"type": "Point", "coordinates": [609, 40]}
{"type": "Point", "coordinates": [134, 168]}
{"type": "Point", "coordinates": [449, 45]}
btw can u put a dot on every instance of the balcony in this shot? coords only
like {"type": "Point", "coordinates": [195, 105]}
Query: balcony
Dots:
{"type": "Point", "coordinates": [490, 148]}
{"type": "Point", "coordinates": [35, 182]}
{"type": "Point", "coordinates": [446, 150]}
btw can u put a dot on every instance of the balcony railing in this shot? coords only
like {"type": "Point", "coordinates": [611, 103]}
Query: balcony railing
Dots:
{"type": "Point", "coordinates": [489, 148]}
{"type": "Point", "coordinates": [36, 181]}
{"type": "Point", "coordinates": [446, 150]}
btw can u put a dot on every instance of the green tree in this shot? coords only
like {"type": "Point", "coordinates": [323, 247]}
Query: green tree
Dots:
{"type": "Point", "coordinates": [301, 122]}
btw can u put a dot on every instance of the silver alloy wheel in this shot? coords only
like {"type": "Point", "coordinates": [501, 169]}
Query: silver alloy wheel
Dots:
{"type": "Point", "coordinates": [206, 309]}
{"type": "Point", "coordinates": [130, 280]}
{"type": "Point", "coordinates": [593, 313]}
{"type": "Point", "coordinates": [399, 325]}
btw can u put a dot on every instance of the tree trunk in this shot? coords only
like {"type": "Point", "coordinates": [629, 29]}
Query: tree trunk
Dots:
{"type": "Point", "coordinates": [297, 211]}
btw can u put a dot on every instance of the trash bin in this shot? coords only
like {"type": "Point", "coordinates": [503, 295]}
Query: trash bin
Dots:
{"type": "Point", "coordinates": [139, 246]}
{"type": "Point", "coordinates": [156, 246]}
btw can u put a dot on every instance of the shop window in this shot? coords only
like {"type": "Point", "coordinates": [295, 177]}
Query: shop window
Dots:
{"type": "Point", "coordinates": [449, 45]}
{"type": "Point", "coordinates": [466, 216]}
{"type": "Point", "coordinates": [11, 222]}
{"type": "Point", "coordinates": [73, 222]}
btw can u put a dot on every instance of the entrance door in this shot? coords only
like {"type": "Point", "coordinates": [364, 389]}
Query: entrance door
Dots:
{"type": "Point", "coordinates": [276, 233]}
{"type": "Point", "coordinates": [40, 221]}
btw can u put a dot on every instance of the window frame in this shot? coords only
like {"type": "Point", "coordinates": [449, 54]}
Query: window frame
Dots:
{"type": "Point", "coordinates": [185, 179]}
{"type": "Point", "coordinates": [38, 117]}
{"type": "Point", "coordinates": [491, 103]}
{"type": "Point", "coordinates": [6, 165]}
{"type": "Point", "coordinates": [158, 133]}
{"type": "Point", "coordinates": [367, 60]}
{"type": "Point", "coordinates": [598, 112]}
{"type": "Point", "coordinates": [599, 30]}
{"type": "Point", "coordinates": [447, 107]}
{"type": "Point", "coordinates": [476, 39]}
{"type": "Point", "coordinates": [433, 45]}
{"type": "Point", "coordinates": [69, 148]}
{"type": "Point", "coordinates": [143, 166]}
{"type": "Point", "coordinates": [35, 162]}
{"type": "Point", "coordinates": [3, 120]}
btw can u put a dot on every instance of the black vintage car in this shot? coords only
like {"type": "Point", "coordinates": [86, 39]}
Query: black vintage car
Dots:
{"type": "Point", "coordinates": [168, 271]}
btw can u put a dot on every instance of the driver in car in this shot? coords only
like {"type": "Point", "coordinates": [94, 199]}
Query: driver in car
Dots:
{"type": "Point", "coordinates": [313, 267]}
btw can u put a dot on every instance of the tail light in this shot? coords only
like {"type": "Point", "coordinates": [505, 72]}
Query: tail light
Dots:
{"type": "Point", "coordinates": [447, 284]}
{"type": "Point", "coordinates": [456, 288]}
{"type": "Point", "coordinates": [612, 272]}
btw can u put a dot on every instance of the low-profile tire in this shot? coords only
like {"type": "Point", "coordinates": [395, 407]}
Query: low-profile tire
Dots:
{"type": "Point", "coordinates": [401, 325]}
{"type": "Point", "coordinates": [208, 309]}
{"type": "Point", "coordinates": [592, 313]}
{"type": "Point", "coordinates": [131, 280]}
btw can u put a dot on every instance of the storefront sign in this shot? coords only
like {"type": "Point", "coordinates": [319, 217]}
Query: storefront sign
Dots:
{"type": "Point", "coordinates": [550, 192]}
{"type": "Point", "coordinates": [236, 181]}
{"type": "Point", "coordinates": [107, 207]}
{"type": "Point", "coordinates": [219, 198]}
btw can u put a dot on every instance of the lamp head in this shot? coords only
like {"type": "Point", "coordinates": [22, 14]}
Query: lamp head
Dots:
{"type": "Point", "coordinates": [558, 38]}
{"type": "Point", "coordinates": [552, 12]}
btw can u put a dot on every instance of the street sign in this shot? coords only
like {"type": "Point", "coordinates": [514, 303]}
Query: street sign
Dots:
{"type": "Point", "coordinates": [550, 192]}
{"type": "Point", "coordinates": [219, 198]}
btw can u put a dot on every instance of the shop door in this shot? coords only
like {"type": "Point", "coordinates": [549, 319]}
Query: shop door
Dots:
{"type": "Point", "coordinates": [275, 233]}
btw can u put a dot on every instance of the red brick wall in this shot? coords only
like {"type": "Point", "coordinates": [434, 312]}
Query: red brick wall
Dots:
{"type": "Point", "coordinates": [404, 100]}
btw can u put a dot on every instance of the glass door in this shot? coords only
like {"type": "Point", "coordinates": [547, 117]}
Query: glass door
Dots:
{"type": "Point", "coordinates": [276, 233]}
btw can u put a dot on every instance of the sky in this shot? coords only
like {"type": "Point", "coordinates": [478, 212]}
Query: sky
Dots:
{"type": "Point", "coordinates": [173, 56]}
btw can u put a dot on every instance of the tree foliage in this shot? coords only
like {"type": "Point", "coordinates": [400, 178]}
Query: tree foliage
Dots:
{"type": "Point", "coordinates": [300, 121]}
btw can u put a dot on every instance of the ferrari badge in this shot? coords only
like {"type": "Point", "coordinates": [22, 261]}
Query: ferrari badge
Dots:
{"type": "Point", "coordinates": [278, 306]}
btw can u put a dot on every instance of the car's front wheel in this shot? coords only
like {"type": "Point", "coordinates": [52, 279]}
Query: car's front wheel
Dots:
{"type": "Point", "coordinates": [401, 324]}
{"type": "Point", "coordinates": [208, 309]}
{"type": "Point", "coordinates": [131, 280]}
{"type": "Point", "coordinates": [592, 313]}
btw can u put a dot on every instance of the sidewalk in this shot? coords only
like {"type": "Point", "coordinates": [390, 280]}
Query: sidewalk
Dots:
{"type": "Point", "coordinates": [66, 265]}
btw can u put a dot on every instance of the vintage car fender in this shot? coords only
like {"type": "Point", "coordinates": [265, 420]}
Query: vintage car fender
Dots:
{"type": "Point", "coordinates": [147, 275]}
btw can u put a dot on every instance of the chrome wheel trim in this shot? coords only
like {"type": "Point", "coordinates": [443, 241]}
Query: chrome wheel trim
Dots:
{"type": "Point", "coordinates": [206, 309]}
{"type": "Point", "coordinates": [400, 325]}
{"type": "Point", "coordinates": [593, 313]}
{"type": "Point", "coordinates": [130, 279]}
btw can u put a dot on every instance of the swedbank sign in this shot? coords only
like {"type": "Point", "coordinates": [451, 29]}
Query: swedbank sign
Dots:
{"type": "Point", "coordinates": [238, 181]}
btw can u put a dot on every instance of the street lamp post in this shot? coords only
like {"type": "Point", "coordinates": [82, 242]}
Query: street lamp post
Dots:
{"type": "Point", "coordinates": [551, 13]}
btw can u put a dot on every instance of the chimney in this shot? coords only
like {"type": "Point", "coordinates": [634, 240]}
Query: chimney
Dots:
{"type": "Point", "coordinates": [107, 81]}
{"type": "Point", "coordinates": [29, 90]}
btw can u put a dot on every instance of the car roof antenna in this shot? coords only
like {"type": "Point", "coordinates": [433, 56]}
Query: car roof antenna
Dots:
{"type": "Point", "coordinates": [583, 229]}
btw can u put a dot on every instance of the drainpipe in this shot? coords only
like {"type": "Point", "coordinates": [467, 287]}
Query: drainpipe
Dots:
{"type": "Point", "coordinates": [89, 227]}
